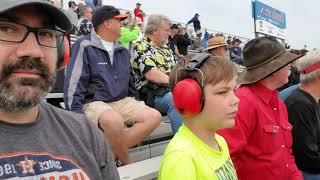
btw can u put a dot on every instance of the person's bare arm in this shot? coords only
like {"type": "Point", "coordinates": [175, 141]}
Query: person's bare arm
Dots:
{"type": "Point", "coordinates": [156, 76]}
{"type": "Point", "coordinates": [234, 55]}
{"type": "Point", "coordinates": [177, 51]}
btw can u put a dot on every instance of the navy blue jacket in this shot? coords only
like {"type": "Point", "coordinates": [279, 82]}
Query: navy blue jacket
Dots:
{"type": "Point", "coordinates": [91, 77]}
{"type": "Point", "coordinates": [196, 23]}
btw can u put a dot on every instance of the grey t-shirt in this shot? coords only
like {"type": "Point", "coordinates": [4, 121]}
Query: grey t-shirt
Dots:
{"type": "Point", "coordinates": [59, 144]}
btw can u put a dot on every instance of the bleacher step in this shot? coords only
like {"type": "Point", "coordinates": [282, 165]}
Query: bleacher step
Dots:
{"type": "Point", "coordinates": [142, 170]}
{"type": "Point", "coordinates": [148, 151]}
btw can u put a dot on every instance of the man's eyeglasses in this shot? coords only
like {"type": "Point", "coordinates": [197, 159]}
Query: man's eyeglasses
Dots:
{"type": "Point", "coordinates": [14, 32]}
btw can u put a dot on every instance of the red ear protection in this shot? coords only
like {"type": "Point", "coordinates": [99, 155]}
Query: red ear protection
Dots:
{"type": "Point", "coordinates": [63, 54]}
{"type": "Point", "coordinates": [66, 55]}
{"type": "Point", "coordinates": [188, 96]}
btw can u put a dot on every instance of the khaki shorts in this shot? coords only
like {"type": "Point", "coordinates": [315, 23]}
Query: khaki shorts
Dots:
{"type": "Point", "coordinates": [127, 107]}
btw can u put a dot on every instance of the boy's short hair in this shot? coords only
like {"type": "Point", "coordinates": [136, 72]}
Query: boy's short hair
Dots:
{"type": "Point", "coordinates": [215, 70]}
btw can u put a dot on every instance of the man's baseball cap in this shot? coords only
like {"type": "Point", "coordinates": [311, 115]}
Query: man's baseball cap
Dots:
{"type": "Point", "coordinates": [237, 40]}
{"type": "Point", "coordinates": [174, 26]}
{"type": "Point", "coordinates": [60, 19]}
{"type": "Point", "coordinates": [138, 3]}
{"type": "Point", "coordinates": [103, 13]}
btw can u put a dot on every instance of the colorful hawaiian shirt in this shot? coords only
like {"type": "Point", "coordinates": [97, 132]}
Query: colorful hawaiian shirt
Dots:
{"type": "Point", "coordinates": [146, 56]}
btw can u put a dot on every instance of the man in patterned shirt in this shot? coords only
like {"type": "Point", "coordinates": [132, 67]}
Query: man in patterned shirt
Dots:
{"type": "Point", "coordinates": [152, 61]}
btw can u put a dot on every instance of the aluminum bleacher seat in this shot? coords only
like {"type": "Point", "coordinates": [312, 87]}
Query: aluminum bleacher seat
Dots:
{"type": "Point", "coordinates": [154, 144]}
{"type": "Point", "coordinates": [143, 170]}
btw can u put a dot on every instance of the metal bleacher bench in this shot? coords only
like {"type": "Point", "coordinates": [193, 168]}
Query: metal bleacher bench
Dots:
{"type": "Point", "coordinates": [55, 95]}
{"type": "Point", "coordinates": [147, 157]}
{"type": "Point", "coordinates": [142, 170]}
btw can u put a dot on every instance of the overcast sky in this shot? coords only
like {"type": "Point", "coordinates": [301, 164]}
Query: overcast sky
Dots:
{"type": "Point", "coordinates": [234, 16]}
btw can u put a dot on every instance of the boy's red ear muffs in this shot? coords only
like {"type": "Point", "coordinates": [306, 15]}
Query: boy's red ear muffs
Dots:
{"type": "Point", "coordinates": [63, 54]}
{"type": "Point", "coordinates": [66, 55]}
{"type": "Point", "coordinates": [188, 96]}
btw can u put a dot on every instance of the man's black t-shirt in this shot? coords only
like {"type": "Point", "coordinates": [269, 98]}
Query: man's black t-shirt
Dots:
{"type": "Point", "coordinates": [304, 115]}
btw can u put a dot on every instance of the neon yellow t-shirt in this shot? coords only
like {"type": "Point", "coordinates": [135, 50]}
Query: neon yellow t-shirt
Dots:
{"type": "Point", "coordinates": [188, 158]}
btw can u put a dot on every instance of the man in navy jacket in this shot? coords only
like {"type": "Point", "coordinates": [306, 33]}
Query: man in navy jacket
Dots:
{"type": "Point", "coordinates": [98, 83]}
{"type": "Point", "coordinates": [196, 23]}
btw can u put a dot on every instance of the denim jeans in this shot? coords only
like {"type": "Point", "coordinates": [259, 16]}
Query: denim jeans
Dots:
{"type": "Point", "coordinates": [307, 176]}
{"type": "Point", "coordinates": [288, 91]}
{"type": "Point", "coordinates": [164, 104]}
{"type": "Point", "coordinates": [237, 60]}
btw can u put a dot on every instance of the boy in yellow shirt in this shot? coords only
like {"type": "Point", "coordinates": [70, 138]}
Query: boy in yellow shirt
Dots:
{"type": "Point", "coordinates": [203, 93]}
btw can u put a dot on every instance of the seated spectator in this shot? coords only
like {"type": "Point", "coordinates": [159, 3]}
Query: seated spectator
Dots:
{"type": "Point", "coordinates": [89, 3]}
{"type": "Point", "coordinates": [260, 142]}
{"type": "Point", "coordinates": [219, 35]}
{"type": "Point", "coordinates": [182, 41]}
{"type": "Point", "coordinates": [205, 39]}
{"type": "Point", "coordinates": [196, 152]}
{"type": "Point", "coordinates": [72, 12]}
{"type": "Point", "coordinates": [140, 25]}
{"type": "Point", "coordinates": [229, 41]}
{"type": "Point", "coordinates": [138, 12]}
{"type": "Point", "coordinates": [98, 84]}
{"type": "Point", "coordinates": [217, 46]}
{"type": "Point", "coordinates": [206, 34]}
{"type": "Point", "coordinates": [304, 115]}
{"type": "Point", "coordinates": [233, 40]}
{"type": "Point", "coordinates": [129, 31]}
{"type": "Point", "coordinates": [84, 24]}
{"type": "Point", "coordinates": [93, 3]}
{"type": "Point", "coordinates": [197, 41]}
{"type": "Point", "coordinates": [152, 61]}
{"type": "Point", "coordinates": [204, 42]}
{"type": "Point", "coordinates": [211, 35]}
{"type": "Point", "coordinates": [294, 77]}
{"type": "Point", "coordinates": [173, 32]}
{"type": "Point", "coordinates": [236, 52]}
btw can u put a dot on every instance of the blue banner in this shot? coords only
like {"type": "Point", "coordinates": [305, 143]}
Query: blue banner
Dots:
{"type": "Point", "coordinates": [269, 14]}
{"type": "Point", "coordinates": [269, 20]}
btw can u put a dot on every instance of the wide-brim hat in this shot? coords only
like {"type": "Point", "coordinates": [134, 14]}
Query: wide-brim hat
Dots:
{"type": "Point", "coordinates": [60, 18]}
{"type": "Point", "coordinates": [216, 42]}
{"type": "Point", "coordinates": [262, 57]}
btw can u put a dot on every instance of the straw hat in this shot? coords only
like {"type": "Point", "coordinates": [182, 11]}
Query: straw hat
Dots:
{"type": "Point", "coordinates": [215, 42]}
